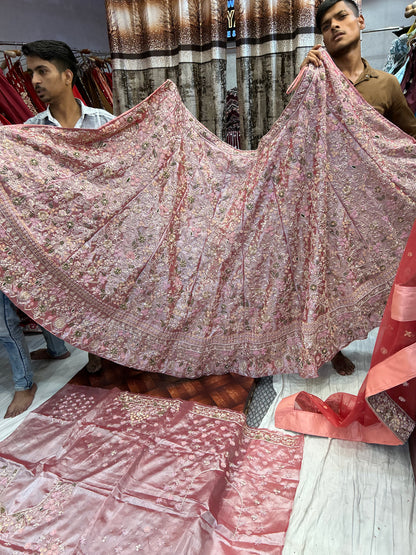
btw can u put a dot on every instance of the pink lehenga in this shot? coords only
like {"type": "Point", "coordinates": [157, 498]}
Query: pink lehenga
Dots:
{"type": "Point", "coordinates": [153, 243]}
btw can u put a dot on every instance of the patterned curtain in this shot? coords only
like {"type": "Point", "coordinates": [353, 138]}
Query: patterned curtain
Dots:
{"type": "Point", "coordinates": [272, 39]}
{"type": "Point", "coordinates": [181, 40]}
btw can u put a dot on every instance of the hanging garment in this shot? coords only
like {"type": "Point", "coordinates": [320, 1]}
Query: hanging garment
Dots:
{"type": "Point", "coordinates": [12, 106]}
{"type": "Point", "coordinates": [232, 118]}
{"type": "Point", "coordinates": [22, 83]}
{"type": "Point", "coordinates": [398, 53]}
{"type": "Point", "coordinates": [92, 81]}
{"type": "Point", "coordinates": [384, 411]}
{"type": "Point", "coordinates": [15, 77]}
{"type": "Point", "coordinates": [102, 85]}
{"type": "Point", "coordinates": [4, 121]}
{"type": "Point", "coordinates": [123, 473]}
{"type": "Point", "coordinates": [153, 243]}
{"type": "Point", "coordinates": [408, 83]}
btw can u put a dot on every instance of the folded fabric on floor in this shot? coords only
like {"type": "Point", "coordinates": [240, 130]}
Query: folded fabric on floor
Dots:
{"type": "Point", "coordinates": [152, 243]}
{"type": "Point", "coordinates": [384, 411]}
{"type": "Point", "coordinates": [98, 471]}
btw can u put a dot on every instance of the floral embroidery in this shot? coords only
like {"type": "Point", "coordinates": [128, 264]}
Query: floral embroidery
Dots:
{"type": "Point", "coordinates": [176, 466]}
{"type": "Point", "coordinates": [49, 508]}
{"type": "Point", "coordinates": [141, 408]}
{"type": "Point", "coordinates": [399, 422]}
{"type": "Point", "coordinates": [193, 258]}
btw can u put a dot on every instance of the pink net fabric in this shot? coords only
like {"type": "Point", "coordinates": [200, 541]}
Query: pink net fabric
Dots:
{"type": "Point", "coordinates": [152, 243]}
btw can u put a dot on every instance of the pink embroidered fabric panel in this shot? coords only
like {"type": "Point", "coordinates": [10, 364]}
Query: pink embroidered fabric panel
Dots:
{"type": "Point", "coordinates": [152, 243]}
{"type": "Point", "coordinates": [98, 471]}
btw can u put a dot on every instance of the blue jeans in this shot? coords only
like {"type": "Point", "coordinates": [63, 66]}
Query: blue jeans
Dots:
{"type": "Point", "coordinates": [56, 347]}
{"type": "Point", "coordinates": [11, 336]}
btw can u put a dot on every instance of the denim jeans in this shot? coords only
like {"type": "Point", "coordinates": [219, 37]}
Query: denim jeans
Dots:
{"type": "Point", "coordinates": [11, 336]}
{"type": "Point", "coordinates": [56, 347]}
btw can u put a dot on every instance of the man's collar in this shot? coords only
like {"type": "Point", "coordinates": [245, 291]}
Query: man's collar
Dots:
{"type": "Point", "coordinates": [368, 70]}
{"type": "Point", "coordinates": [55, 121]}
{"type": "Point", "coordinates": [367, 73]}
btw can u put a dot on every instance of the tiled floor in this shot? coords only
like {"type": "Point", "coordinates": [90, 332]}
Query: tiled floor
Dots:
{"type": "Point", "coordinates": [229, 391]}
{"type": "Point", "coordinates": [225, 391]}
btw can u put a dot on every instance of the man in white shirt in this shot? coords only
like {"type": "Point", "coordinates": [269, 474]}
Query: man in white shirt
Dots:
{"type": "Point", "coordinates": [53, 69]}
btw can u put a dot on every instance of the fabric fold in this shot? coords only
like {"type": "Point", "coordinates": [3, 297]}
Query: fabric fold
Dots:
{"type": "Point", "coordinates": [150, 475]}
{"type": "Point", "coordinates": [403, 307]}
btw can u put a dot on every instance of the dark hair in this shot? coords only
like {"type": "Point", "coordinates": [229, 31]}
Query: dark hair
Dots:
{"type": "Point", "coordinates": [327, 4]}
{"type": "Point", "coordinates": [54, 51]}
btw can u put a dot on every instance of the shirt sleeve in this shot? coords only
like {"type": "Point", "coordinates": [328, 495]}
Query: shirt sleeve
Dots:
{"type": "Point", "coordinates": [109, 117]}
{"type": "Point", "coordinates": [30, 120]}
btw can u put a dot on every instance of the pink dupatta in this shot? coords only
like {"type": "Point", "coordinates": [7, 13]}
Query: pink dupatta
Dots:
{"type": "Point", "coordinates": [384, 411]}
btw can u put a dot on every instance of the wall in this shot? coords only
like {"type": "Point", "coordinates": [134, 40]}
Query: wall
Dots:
{"type": "Point", "coordinates": [79, 23]}
{"type": "Point", "coordinates": [83, 24]}
{"type": "Point", "coordinates": [379, 14]}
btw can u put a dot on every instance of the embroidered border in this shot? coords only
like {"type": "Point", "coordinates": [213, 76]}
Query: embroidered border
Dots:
{"type": "Point", "coordinates": [392, 415]}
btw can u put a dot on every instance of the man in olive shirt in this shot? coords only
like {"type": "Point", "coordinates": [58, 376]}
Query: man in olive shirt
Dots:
{"type": "Point", "coordinates": [340, 23]}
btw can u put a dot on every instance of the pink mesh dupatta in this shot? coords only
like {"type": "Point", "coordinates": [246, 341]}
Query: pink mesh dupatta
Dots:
{"type": "Point", "coordinates": [152, 243]}
{"type": "Point", "coordinates": [384, 411]}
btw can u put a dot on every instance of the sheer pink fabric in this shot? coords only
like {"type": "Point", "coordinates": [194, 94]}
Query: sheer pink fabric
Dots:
{"type": "Point", "coordinates": [97, 472]}
{"type": "Point", "coordinates": [384, 411]}
{"type": "Point", "coordinates": [153, 243]}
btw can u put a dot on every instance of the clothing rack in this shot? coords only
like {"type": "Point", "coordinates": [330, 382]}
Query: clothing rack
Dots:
{"type": "Point", "coordinates": [93, 84]}
{"type": "Point", "coordinates": [76, 50]}
{"type": "Point", "coordinates": [382, 29]}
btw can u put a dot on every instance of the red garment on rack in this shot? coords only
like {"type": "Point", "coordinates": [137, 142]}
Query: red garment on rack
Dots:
{"type": "Point", "coordinates": [11, 104]}
{"type": "Point", "coordinates": [102, 84]}
{"type": "Point", "coordinates": [384, 411]}
{"type": "Point", "coordinates": [109, 77]}
{"type": "Point", "coordinates": [4, 121]}
{"type": "Point", "coordinates": [18, 80]}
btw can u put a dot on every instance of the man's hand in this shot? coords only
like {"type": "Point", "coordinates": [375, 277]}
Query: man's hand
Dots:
{"type": "Point", "coordinates": [314, 57]}
{"type": "Point", "coordinates": [410, 10]}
